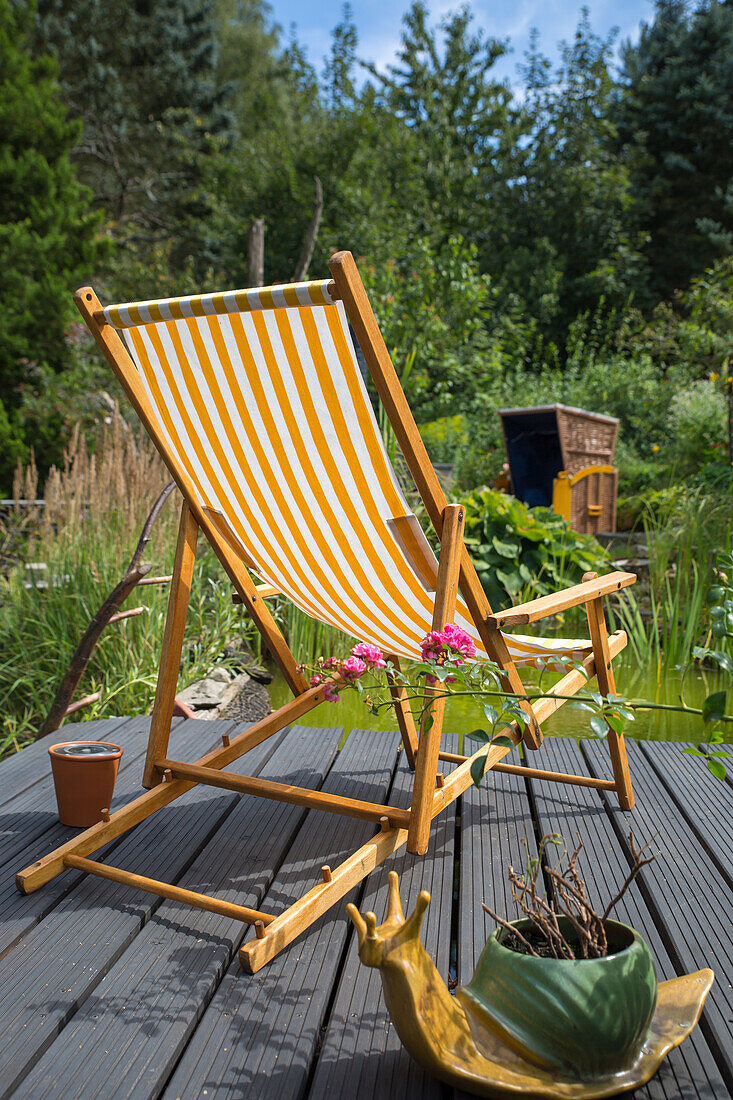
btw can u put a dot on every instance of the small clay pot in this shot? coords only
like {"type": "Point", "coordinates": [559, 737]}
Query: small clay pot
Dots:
{"type": "Point", "coordinates": [84, 774]}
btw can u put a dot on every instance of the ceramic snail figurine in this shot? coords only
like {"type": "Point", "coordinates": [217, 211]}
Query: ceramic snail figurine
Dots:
{"type": "Point", "coordinates": [460, 1040]}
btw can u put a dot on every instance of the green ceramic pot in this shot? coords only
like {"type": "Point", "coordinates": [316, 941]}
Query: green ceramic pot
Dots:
{"type": "Point", "coordinates": [589, 1016]}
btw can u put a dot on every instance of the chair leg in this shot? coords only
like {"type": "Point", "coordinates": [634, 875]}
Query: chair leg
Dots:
{"type": "Point", "coordinates": [170, 657]}
{"type": "Point", "coordinates": [606, 686]}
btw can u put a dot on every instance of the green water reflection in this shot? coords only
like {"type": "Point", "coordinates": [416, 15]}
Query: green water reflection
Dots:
{"type": "Point", "coordinates": [463, 715]}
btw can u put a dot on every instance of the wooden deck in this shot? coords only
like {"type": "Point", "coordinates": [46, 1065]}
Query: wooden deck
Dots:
{"type": "Point", "coordinates": [107, 992]}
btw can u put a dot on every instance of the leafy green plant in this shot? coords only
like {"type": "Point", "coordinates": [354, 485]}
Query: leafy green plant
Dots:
{"type": "Point", "coordinates": [720, 609]}
{"type": "Point", "coordinates": [515, 548]}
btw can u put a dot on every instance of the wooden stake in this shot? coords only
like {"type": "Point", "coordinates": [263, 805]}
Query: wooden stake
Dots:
{"type": "Point", "coordinates": [539, 773]}
{"type": "Point", "coordinates": [287, 792]}
{"type": "Point", "coordinates": [403, 712]}
{"type": "Point", "coordinates": [326, 874]}
{"type": "Point", "coordinates": [166, 890]}
{"type": "Point", "coordinates": [432, 724]}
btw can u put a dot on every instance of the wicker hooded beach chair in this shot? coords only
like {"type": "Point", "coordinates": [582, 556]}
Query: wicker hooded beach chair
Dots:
{"type": "Point", "coordinates": [255, 401]}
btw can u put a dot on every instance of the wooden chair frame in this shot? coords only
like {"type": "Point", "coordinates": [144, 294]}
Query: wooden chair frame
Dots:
{"type": "Point", "coordinates": [167, 779]}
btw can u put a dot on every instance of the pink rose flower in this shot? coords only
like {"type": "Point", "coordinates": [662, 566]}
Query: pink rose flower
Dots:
{"type": "Point", "coordinates": [330, 694]}
{"type": "Point", "coordinates": [370, 654]}
{"type": "Point", "coordinates": [353, 668]}
{"type": "Point", "coordinates": [432, 646]}
{"type": "Point", "coordinates": [451, 642]}
{"type": "Point", "coordinates": [315, 680]}
{"type": "Point", "coordinates": [458, 640]}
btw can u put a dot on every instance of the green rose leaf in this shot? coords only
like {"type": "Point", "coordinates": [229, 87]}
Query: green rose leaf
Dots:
{"type": "Point", "coordinates": [713, 709]}
{"type": "Point", "coordinates": [477, 770]}
{"type": "Point", "coordinates": [717, 769]}
{"type": "Point", "coordinates": [479, 735]}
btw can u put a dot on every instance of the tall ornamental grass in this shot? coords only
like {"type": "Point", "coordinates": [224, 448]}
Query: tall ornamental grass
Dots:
{"type": "Point", "coordinates": [85, 535]}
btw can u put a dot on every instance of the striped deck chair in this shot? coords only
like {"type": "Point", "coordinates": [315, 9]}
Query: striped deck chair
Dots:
{"type": "Point", "coordinates": [256, 403]}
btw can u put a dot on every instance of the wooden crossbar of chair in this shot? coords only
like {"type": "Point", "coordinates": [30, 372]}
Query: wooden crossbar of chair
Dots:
{"type": "Point", "coordinates": [287, 792]}
{"type": "Point", "coordinates": [166, 890]}
{"type": "Point", "coordinates": [167, 779]}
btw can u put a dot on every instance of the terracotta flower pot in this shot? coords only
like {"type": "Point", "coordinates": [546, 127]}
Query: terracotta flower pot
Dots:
{"type": "Point", "coordinates": [84, 774]}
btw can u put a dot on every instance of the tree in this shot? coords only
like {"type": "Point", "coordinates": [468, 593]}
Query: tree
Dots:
{"type": "Point", "coordinates": [48, 238]}
{"type": "Point", "coordinates": [567, 239]}
{"type": "Point", "coordinates": [675, 124]}
{"type": "Point", "coordinates": [458, 114]}
{"type": "Point", "coordinates": [141, 75]}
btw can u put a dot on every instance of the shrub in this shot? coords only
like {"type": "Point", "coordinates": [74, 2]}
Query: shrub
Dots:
{"type": "Point", "coordinates": [516, 548]}
{"type": "Point", "coordinates": [444, 438]}
{"type": "Point", "coordinates": [658, 507]}
{"type": "Point", "coordinates": [697, 424]}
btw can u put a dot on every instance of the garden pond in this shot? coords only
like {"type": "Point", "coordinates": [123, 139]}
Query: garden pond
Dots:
{"type": "Point", "coordinates": [462, 714]}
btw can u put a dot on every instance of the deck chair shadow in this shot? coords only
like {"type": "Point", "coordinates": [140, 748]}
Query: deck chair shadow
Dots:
{"type": "Point", "coordinates": [256, 404]}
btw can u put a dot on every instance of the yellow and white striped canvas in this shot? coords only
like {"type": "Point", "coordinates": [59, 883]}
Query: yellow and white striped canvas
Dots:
{"type": "Point", "coordinates": [260, 399]}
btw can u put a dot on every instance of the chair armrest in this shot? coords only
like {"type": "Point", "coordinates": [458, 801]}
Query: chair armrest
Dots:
{"type": "Point", "coordinates": [559, 601]}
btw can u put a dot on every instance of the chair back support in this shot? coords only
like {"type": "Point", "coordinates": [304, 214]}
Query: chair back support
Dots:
{"type": "Point", "coordinates": [260, 400]}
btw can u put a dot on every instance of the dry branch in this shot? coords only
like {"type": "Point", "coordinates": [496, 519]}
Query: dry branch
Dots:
{"type": "Point", "coordinates": [570, 900]}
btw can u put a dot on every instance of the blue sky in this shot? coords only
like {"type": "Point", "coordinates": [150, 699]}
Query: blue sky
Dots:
{"type": "Point", "coordinates": [378, 23]}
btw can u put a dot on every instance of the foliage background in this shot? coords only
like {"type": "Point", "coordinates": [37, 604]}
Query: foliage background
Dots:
{"type": "Point", "coordinates": [566, 238]}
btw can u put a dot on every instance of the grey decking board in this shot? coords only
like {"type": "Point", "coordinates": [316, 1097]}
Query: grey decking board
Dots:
{"type": "Point", "coordinates": [690, 1069]}
{"type": "Point", "coordinates": [361, 1055]}
{"type": "Point", "coordinates": [690, 900]}
{"type": "Point", "coordinates": [18, 913]}
{"type": "Point", "coordinates": [259, 1033]}
{"type": "Point", "coordinates": [60, 961]}
{"type": "Point", "coordinates": [298, 979]}
{"type": "Point", "coordinates": [174, 965]}
{"type": "Point", "coordinates": [25, 768]}
{"type": "Point", "coordinates": [495, 818]}
{"type": "Point", "coordinates": [705, 801]}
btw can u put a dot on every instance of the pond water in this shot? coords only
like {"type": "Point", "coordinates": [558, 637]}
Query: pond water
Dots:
{"type": "Point", "coordinates": [463, 715]}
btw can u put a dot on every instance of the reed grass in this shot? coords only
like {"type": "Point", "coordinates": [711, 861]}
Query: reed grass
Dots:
{"type": "Point", "coordinates": [682, 552]}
